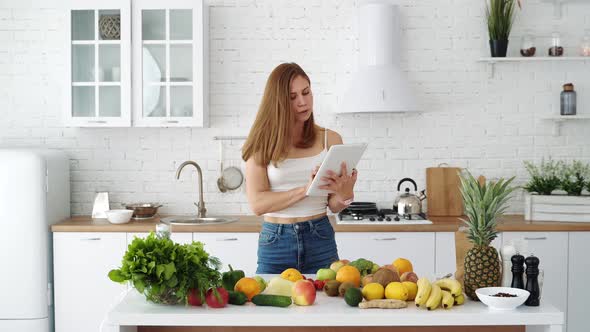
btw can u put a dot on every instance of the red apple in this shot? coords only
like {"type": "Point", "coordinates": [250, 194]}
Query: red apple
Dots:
{"type": "Point", "coordinates": [303, 292]}
{"type": "Point", "coordinates": [194, 297]}
{"type": "Point", "coordinates": [215, 302]}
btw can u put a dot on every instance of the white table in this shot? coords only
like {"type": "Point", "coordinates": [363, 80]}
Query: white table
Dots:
{"type": "Point", "coordinates": [134, 311]}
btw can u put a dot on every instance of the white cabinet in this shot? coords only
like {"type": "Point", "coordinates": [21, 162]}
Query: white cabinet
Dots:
{"type": "Point", "coordinates": [99, 54]}
{"type": "Point", "coordinates": [445, 253]}
{"type": "Point", "coordinates": [578, 291]}
{"type": "Point", "coordinates": [237, 249]}
{"type": "Point", "coordinates": [552, 250]}
{"type": "Point", "coordinates": [169, 63]}
{"type": "Point", "coordinates": [384, 247]}
{"type": "Point", "coordinates": [83, 291]}
{"type": "Point", "coordinates": [181, 238]}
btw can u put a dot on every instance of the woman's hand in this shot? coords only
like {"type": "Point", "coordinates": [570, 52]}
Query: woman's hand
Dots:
{"type": "Point", "coordinates": [341, 185]}
{"type": "Point", "coordinates": [314, 171]}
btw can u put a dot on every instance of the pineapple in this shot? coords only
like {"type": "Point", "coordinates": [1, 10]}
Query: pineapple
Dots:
{"type": "Point", "coordinates": [484, 203]}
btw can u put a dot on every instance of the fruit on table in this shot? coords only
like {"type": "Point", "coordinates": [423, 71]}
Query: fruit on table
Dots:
{"type": "Point", "coordinates": [319, 284]}
{"type": "Point", "coordinates": [194, 297]}
{"type": "Point", "coordinates": [366, 279]}
{"type": "Point", "coordinates": [397, 291]}
{"type": "Point", "coordinates": [326, 274]}
{"type": "Point", "coordinates": [451, 285]}
{"type": "Point", "coordinates": [353, 296]}
{"type": "Point", "coordinates": [272, 300]}
{"type": "Point", "coordinates": [291, 274]}
{"type": "Point", "coordinates": [391, 267]}
{"type": "Point", "coordinates": [412, 288]}
{"type": "Point", "coordinates": [349, 273]}
{"type": "Point", "coordinates": [248, 286]}
{"type": "Point", "coordinates": [217, 299]}
{"type": "Point", "coordinates": [303, 292]}
{"type": "Point", "coordinates": [435, 297]}
{"type": "Point", "coordinates": [385, 276]}
{"type": "Point", "coordinates": [460, 299]}
{"type": "Point", "coordinates": [229, 278]}
{"type": "Point", "coordinates": [335, 266]}
{"type": "Point", "coordinates": [261, 283]}
{"type": "Point", "coordinates": [344, 287]}
{"type": "Point", "coordinates": [373, 291]}
{"type": "Point", "coordinates": [424, 289]}
{"type": "Point", "coordinates": [383, 304]}
{"type": "Point", "coordinates": [237, 298]}
{"type": "Point", "coordinates": [403, 265]}
{"type": "Point", "coordinates": [447, 300]}
{"type": "Point", "coordinates": [331, 287]}
{"type": "Point", "coordinates": [279, 286]}
{"type": "Point", "coordinates": [409, 276]}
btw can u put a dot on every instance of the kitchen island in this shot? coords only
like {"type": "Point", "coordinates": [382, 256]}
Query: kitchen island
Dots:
{"type": "Point", "coordinates": [134, 314]}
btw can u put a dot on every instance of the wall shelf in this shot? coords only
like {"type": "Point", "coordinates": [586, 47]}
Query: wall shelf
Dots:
{"type": "Point", "coordinates": [493, 61]}
{"type": "Point", "coordinates": [559, 119]}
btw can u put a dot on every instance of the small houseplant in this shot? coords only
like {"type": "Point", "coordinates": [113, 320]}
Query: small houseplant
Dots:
{"type": "Point", "coordinates": [165, 271]}
{"type": "Point", "coordinates": [500, 16]}
{"type": "Point", "coordinates": [484, 204]}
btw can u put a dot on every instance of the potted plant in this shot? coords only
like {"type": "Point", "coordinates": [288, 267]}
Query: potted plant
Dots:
{"type": "Point", "coordinates": [555, 191]}
{"type": "Point", "coordinates": [484, 203]}
{"type": "Point", "coordinates": [165, 271]}
{"type": "Point", "coordinates": [500, 17]}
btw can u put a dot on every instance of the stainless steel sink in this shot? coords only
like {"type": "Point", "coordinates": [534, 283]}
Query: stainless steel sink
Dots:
{"type": "Point", "coordinates": [193, 220]}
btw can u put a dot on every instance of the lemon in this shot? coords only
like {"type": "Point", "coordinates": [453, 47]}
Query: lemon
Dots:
{"type": "Point", "coordinates": [373, 291]}
{"type": "Point", "coordinates": [396, 290]}
{"type": "Point", "coordinates": [412, 289]}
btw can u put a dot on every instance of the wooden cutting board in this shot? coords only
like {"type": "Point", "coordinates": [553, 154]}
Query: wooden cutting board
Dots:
{"type": "Point", "coordinates": [442, 191]}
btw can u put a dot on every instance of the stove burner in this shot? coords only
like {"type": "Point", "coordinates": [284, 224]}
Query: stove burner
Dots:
{"type": "Point", "coordinates": [360, 211]}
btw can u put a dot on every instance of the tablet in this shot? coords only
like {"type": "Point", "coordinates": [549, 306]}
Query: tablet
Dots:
{"type": "Point", "coordinates": [348, 153]}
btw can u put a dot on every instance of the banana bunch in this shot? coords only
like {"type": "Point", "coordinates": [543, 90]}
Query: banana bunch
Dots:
{"type": "Point", "coordinates": [445, 292]}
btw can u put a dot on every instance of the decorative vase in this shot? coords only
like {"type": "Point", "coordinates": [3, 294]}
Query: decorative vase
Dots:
{"type": "Point", "coordinates": [110, 26]}
{"type": "Point", "coordinates": [498, 48]}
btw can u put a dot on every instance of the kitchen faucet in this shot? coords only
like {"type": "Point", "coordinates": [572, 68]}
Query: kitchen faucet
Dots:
{"type": "Point", "coordinates": [201, 205]}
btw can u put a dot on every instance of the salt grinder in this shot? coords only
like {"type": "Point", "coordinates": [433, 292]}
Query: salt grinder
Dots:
{"type": "Point", "coordinates": [517, 271]}
{"type": "Point", "coordinates": [532, 281]}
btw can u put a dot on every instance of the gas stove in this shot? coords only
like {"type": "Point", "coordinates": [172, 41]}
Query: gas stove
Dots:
{"type": "Point", "coordinates": [368, 213]}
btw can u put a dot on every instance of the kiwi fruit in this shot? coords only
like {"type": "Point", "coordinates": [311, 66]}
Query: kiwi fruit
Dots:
{"type": "Point", "coordinates": [331, 288]}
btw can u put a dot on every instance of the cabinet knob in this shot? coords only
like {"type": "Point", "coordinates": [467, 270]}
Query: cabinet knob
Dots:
{"type": "Point", "coordinates": [385, 239]}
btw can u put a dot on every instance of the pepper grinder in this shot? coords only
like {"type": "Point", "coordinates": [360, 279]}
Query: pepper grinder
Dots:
{"type": "Point", "coordinates": [517, 271]}
{"type": "Point", "coordinates": [532, 282]}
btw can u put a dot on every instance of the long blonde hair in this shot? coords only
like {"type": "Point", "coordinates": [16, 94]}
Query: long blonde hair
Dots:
{"type": "Point", "coordinates": [270, 136]}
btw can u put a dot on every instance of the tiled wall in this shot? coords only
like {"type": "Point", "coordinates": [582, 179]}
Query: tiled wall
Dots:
{"type": "Point", "coordinates": [489, 125]}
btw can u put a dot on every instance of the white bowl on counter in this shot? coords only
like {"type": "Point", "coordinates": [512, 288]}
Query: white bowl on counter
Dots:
{"type": "Point", "coordinates": [485, 295]}
{"type": "Point", "coordinates": [120, 216]}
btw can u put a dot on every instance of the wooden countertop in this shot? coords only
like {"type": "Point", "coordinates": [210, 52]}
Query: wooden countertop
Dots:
{"type": "Point", "coordinates": [251, 224]}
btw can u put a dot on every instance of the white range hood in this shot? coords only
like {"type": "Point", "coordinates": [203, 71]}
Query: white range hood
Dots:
{"type": "Point", "coordinates": [379, 85]}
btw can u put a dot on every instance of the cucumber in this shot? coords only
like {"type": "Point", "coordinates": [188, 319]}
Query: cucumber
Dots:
{"type": "Point", "coordinates": [237, 298]}
{"type": "Point", "coordinates": [272, 300]}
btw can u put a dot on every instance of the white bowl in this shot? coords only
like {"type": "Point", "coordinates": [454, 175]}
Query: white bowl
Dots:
{"type": "Point", "coordinates": [119, 216]}
{"type": "Point", "coordinates": [502, 303]}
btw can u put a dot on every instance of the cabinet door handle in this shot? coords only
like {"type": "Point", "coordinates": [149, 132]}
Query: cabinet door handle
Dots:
{"type": "Point", "coordinates": [535, 238]}
{"type": "Point", "coordinates": [97, 121]}
{"type": "Point", "coordinates": [228, 239]}
{"type": "Point", "coordinates": [385, 239]}
{"type": "Point", "coordinates": [170, 121]}
{"type": "Point", "coordinates": [91, 239]}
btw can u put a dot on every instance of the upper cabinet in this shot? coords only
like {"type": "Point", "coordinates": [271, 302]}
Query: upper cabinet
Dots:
{"type": "Point", "coordinates": [99, 76]}
{"type": "Point", "coordinates": [140, 63]}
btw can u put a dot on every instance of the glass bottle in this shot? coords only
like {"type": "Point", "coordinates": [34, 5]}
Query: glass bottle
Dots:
{"type": "Point", "coordinates": [568, 100]}
{"type": "Point", "coordinates": [555, 49]}
{"type": "Point", "coordinates": [527, 46]}
{"type": "Point", "coordinates": [585, 46]}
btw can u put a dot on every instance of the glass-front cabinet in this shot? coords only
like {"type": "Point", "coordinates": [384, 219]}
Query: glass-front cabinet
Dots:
{"type": "Point", "coordinates": [137, 62]}
{"type": "Point", "coordinates": [99, 76]}
{"type": "Point", "coordinates": [169, 69]}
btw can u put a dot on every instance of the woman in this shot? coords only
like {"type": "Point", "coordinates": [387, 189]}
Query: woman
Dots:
{"type": "Point", "coordinates": [283, 152]}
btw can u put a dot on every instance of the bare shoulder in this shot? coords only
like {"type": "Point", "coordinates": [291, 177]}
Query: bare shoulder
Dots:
{"type": "Point", "coordinates": [333, 138]}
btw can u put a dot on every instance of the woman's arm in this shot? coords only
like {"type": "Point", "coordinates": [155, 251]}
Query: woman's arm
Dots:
{"type": "Point", "coordinates": [261, 199]}
{"type": "Point", "coordinates": [342, 185]}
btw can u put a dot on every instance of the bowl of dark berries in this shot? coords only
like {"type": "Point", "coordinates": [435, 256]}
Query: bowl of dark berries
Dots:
{"type": "Point", "coordinates": [502, 298]}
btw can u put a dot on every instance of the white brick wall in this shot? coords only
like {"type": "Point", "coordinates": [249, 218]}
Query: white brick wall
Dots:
{"type": "Point", "coordinates": [487, 125]}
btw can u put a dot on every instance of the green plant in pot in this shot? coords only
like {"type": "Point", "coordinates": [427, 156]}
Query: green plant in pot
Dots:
{"type": "Point", "coordinates": [545, 177]}
{"type": "Point", "coordinates": [500, 16]}
{"type": "Point", "coordinates": [572, 177]}
{"type": "Point", "coordinates": [484, 204]}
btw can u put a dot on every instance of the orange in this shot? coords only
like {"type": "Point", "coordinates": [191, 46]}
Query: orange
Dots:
{"type": "Point", "coordinates": [349, 273]}
{"type": "Point", "coordinates": [291, 274]}
{"type": "Point", "coordinates": [248, 286]}
{"type": "Point", "coordinates": [403, 265]}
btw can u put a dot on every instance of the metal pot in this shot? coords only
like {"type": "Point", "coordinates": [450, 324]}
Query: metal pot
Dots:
{"type": "Point", "coordinates": [408, 203]}
{"type": "Point", "coordinates": [143, 210]}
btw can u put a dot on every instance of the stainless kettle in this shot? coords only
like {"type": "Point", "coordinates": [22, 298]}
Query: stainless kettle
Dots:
{"type": "Point", "coordinates": [407, 203]}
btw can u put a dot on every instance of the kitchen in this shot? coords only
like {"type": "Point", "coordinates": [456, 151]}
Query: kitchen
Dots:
{"type": "Point", "coordinates": [475, 112]}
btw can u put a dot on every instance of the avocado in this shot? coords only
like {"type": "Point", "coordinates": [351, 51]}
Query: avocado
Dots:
{"type": "Point", "coordinates": [331, 288]}
{"type": "Point", "coordinates": [353, 296]}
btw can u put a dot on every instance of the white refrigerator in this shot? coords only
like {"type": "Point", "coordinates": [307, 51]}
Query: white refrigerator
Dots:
{"type": "Point", "coordinates": [34, 193]}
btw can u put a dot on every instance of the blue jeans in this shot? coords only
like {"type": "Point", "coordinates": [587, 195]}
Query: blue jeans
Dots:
{"type": "Point", "coordinates": [306, 246]}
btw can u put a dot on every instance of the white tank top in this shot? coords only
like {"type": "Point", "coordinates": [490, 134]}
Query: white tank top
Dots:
{"type": "Point", "coordinates": [295, 172]}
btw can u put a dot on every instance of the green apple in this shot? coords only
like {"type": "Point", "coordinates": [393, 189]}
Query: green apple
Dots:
{"type": "Point", "coordinates": [261, 282]}
{"type": "Point", "coordinates": [326, 274]}
{"type": "Point", "coordinates": [335, 266]}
